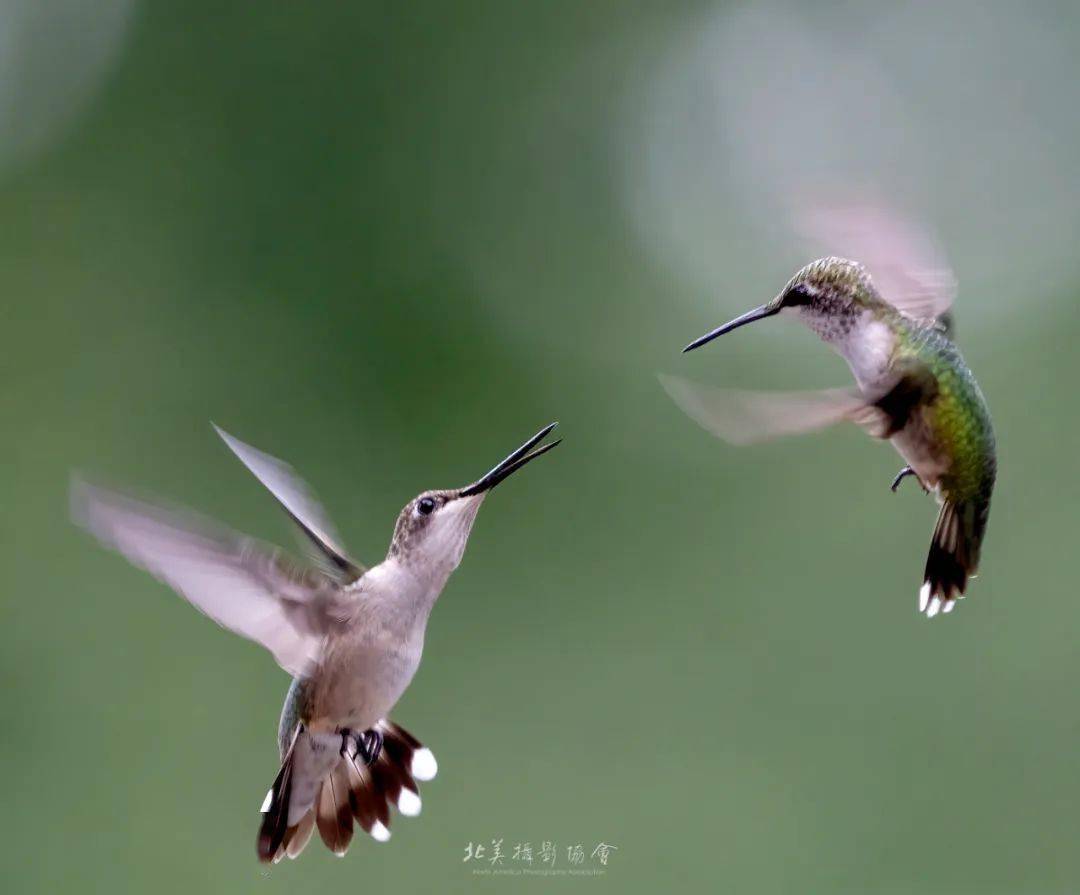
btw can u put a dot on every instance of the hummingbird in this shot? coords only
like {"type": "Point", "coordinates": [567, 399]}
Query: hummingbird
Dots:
{"type": "Point", "coordinates": [912, 388]}
{"type": "Point", "coordinates": [350, 636]}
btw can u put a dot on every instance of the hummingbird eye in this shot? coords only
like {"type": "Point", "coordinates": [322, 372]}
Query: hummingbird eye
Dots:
{"type": "Point", "coordinates": [425, 506]}
{"type": "Point", "coordinates": [797, 296]}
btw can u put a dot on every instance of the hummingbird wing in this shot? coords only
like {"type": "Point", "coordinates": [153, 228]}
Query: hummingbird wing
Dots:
{"type": "Point", "coordinates": [746, 417]}
{"type": "Point", "coordinates": [298, 500]}
{"type": "Point", "coordinates": [241, 584]}
{"type": "Point", "coordinates": [908, 268]}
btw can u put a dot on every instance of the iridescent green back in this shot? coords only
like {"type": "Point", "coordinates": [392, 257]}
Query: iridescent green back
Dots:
{"type": "Point", "coordinates": [959, 416]}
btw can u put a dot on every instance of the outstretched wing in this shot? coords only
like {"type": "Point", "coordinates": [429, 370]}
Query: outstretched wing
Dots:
{"type": "Point", "coordinates": [744, 417]}
{"type": "Point", "coordinates": [241, 584]}
{"type": "Point", "coordinates": [298, 501]}
{"type": "Point", "coordinates": [909, 269]}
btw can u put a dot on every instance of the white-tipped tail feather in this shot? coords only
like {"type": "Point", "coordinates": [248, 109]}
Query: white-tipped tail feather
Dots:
{"type": "Point", "coordinates": [351, 792]}
{"type": "Point", "coordinates": [424, 766]}
{"type": "Point", "coordinates": [954, 555]}
{"type": "Point", "coordinates": [932, 605]}
{"type": "Point", "coordinates": [924, 596]}
{"type": "Point", "coordinates": [408, 803]}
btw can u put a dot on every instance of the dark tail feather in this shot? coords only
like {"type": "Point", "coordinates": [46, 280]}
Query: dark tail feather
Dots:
{"type": "Point", "coordinates": [333, 811]}
{"type": "Point", "coordinates": [953, 557]}
{"type": "Point", "coordinates": [391, 780]}
{"type": "Point", "coordinates": [274, 827]}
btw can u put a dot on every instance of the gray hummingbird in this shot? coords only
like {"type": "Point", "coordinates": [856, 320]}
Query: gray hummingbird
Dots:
{"type": "Point", "coordinates": [912, 385]}
{"type": "Point", "coordinates": [350, 636]}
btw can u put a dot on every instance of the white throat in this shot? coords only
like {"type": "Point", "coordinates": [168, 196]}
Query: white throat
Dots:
{"type": "Point", "coordinates": [868, 349]}
{"type": "Point", "coordinates": [864, 341]}
{"type": "Point", "coordinates": [400, 590]}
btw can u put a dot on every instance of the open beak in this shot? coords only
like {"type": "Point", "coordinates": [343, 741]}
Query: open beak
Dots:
{"type": "Point", "coordinates": [511, 464]}
{"type": "Point", "coordinates": [749, 317]}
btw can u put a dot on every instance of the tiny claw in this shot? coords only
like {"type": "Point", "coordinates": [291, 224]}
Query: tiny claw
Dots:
{"type": "Point", "coordinates": [369, 746]}
{"type": "Point", "coordinates": [900, 476]}
{"type": "Point", "coordinates": [903, 474]}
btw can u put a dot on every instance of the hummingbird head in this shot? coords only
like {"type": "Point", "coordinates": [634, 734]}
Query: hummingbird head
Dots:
{"type": "Point", "coordinates": [433, 527]}
{"type": "Point", "coordinates": [829, 295]}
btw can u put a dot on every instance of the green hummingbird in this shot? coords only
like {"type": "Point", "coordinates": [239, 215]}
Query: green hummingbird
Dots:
{"type": "Point", "coordinates": [912, 388]}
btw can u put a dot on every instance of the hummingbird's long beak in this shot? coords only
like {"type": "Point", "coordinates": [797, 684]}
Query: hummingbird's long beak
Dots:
{"type": "Point", "coordinates": [749, 317]}
{"type": "Point", "coordinates": [511, 464]}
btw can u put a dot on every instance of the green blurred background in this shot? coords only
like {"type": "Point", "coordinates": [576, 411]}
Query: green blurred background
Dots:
{"type": "Point", "coordinates": [387, 242]}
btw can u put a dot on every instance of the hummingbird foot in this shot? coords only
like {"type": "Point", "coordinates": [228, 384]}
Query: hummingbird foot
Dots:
{"type": "Point", "coordinates": [903, 474]}
{"type": "Point", "coordinates": [369, 745]}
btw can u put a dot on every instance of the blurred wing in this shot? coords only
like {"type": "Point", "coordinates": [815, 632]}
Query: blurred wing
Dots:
{"type": "Point", "coordinates": [907, 266]}
{"type": "Point", "coordinates": [741, 417]}
{"type": "Point", "coordinates": [913, 386]}
{"type": "Point", "coordinates": [299, 502]}
{"type": "Point", "coordinates": [240, 584]}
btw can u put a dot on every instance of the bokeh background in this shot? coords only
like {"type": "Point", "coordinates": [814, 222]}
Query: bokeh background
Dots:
{"type": "Point", "coordinates": [387, 242]}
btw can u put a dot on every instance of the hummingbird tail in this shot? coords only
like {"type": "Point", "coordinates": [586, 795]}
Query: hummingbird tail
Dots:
{"type": "Point", "coordinates": [275, 831]}
{"type": "Point", "coordinates": [351, 790]}
{"type": "Point", "coordinates": [275, 810]}
{"type": "Point", "coordinates": [953, 557]}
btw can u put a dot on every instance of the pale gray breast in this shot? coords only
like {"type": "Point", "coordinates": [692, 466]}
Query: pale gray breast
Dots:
{"type": "Point", "coordinates": [365, 670]}
{"type": "Point", "coordinates": [371, 657]}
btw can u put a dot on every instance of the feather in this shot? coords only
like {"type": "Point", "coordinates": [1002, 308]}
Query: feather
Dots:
{"type": "Point", "coordinates": [954, 554]}
{"type": "Point", "coordinates": [360, 797]}
{"type": "Point", "coordinates": [746, 417]}
{"type": "Point", "coordinates": [275, 808]}
{"type": "Point", "coordinates": [301, 835]}
{"type": "Point", "coordinates": [299, 501]}
{"type": "Point", "coordinates": [390, 781]}
{"type": "Point", "coordinates": [318, 788]}
{"type": "Point", "coordinates": [334, 813]}
{"type": "Point", "coordinates": [908, 268]}
{"type": "Point", "coordinates": [241, 584]}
